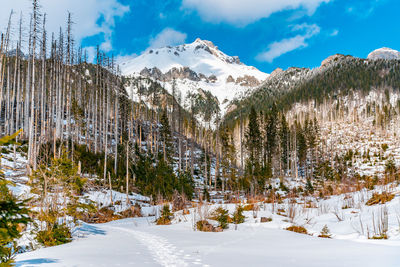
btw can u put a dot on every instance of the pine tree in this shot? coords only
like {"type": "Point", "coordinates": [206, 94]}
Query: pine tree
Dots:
{"type": "Point", "coordinates": [271, 134]}
{"type": "Point", "coordinates": [253, 145]}
{"type": "Point", "coordinates": [284, 141]}
{"type": "Point", "coordinates": [13, 214]}
{"type": "Point", "coordinates": [301, 146]}
{"type": "Point", "coordinates": [166, 138]}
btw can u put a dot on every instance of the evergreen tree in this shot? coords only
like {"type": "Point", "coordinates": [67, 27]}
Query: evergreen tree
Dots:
{"type": "Point", "coordinates": [284, 133]}
{"type": "Point", "coordinates": [271, 133]}
{"type": "Point", "coordinates": [166, 138]}
{"type": "Point", "coordinates": [186, 184]}
{"type": "Point", "coordinates": [253, 146]}
{"type": "Point", "coordinates": [301, 146]}
{"type": "Point", "coordinates": [228, 160]}
{"type": "Point", "coordinates": [13, 214]}
{"type": "Point", "coordinates": [311, 135]}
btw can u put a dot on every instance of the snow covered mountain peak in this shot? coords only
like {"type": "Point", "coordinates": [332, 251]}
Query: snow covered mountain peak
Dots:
{"type": "Point", "coordinates": [384, 53]}
{"type": "Point", "coordinates": [193, 66]}
{"type": "Point", "coordinates": [201, 56]}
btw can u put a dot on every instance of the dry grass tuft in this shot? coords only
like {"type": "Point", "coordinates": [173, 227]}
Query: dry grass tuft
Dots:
{"type": "Point", "coordinates": [248, 207]}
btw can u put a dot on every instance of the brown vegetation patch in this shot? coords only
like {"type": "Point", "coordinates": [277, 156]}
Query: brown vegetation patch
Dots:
{"type": "Point", "coordinates": [163, 221]}
{"type": "Point", "coordinates": [205, 226]}
{"type": "Point", "coordinates": [249, 207]}
{"type": "Point", "coordinates": [378, 237]}
{"type": "Point", "coordinates": [103, 215]}
{"type": "Point", "coordinates": [297, 229]}
{"type": "Point", "coordinates": [186, 212]}
{"type": "Point", "coordinates": [379, 198]}
{"type": "Point", "coordinates": [133, 211]}
{"type": "Point", "coordinates": [266, 219]}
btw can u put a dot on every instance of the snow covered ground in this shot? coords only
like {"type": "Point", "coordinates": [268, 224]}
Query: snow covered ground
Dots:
{"type": "Point", "coordinates": [134, 242]}
{"type": "Point", "coordinates": [139, 242]}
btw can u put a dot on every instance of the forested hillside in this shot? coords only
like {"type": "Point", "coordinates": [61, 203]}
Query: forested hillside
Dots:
{"type": "Point", "coordinates": [338, 76]}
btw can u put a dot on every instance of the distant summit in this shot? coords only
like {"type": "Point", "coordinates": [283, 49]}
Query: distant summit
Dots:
{"type": "Point", "coordinates": [384, 53]}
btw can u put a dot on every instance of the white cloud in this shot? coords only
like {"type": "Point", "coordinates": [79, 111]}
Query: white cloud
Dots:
{"type": "Point", "coordinates": [335, 32]}
{"type": "Point", "coordinates": [363, 9]}
{"type": "Point", "coordinates": [276, 49]}
{"type": "Point", "coordinates": [241, 12]}
{"type": "Point", "coordinates": [91, 17]}
{"type": "Point", "coordinates": [167, 37]}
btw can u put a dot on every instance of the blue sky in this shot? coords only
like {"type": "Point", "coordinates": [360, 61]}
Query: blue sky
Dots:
{"type": "Point", "coordinates": [263, 33]}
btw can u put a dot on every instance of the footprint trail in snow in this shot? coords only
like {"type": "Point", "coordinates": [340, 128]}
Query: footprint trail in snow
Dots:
{"type": "Point", "coordinates": [164, 252]}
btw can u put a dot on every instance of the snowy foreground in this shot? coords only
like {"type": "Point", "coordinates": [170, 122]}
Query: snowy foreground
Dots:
{"type": "Point", "coordinates": [135, 242]}
{"type": "Point", "coordinates": [139, 242]}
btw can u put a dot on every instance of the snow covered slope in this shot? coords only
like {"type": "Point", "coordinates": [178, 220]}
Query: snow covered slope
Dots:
{"type": "Point", "coordinates": [197, 65]}
{"type": "Point", "coordinates": [384, 53]}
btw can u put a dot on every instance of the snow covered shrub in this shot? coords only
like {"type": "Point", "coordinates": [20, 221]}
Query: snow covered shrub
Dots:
{"type": "Point", "coordinates": [238, 216]}
{"type": "Point", "coordinates": [265, 219]}
{"type": "Point", "coordinates": [205, 226]}
{"type": "Point", "coordinates": [166, 216]}
{"type": "Point", "coordinates": [221, 215]}
{"type": "Point", "coordinates": [379, 198]}
{"type": "Point", "coordinates": [80, 211]}
{"type": "Point", "coordinates": [133, 211]}
{"type": "Point", "coordinates": [178, 201]}
{"type": "Point", "coordinates": [102, 215]}
{"type": "Point", "coordinates": [297, 229]}
{"type": "Point", "coordinates": [325, 233]}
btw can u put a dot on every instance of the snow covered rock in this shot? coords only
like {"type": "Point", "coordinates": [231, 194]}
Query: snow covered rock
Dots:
{"type": "Point", "coordinates": [384, 53]}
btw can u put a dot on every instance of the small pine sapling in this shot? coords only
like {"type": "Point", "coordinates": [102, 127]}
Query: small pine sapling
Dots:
{"type": "Point", "coordinates": [221, 215]}
{"type": "Point", "coordinates": [166, 216]}
{"type": "Point", "coordinates": [238, 216]}
{"type": "Point", "coordinates": [325, 233]}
